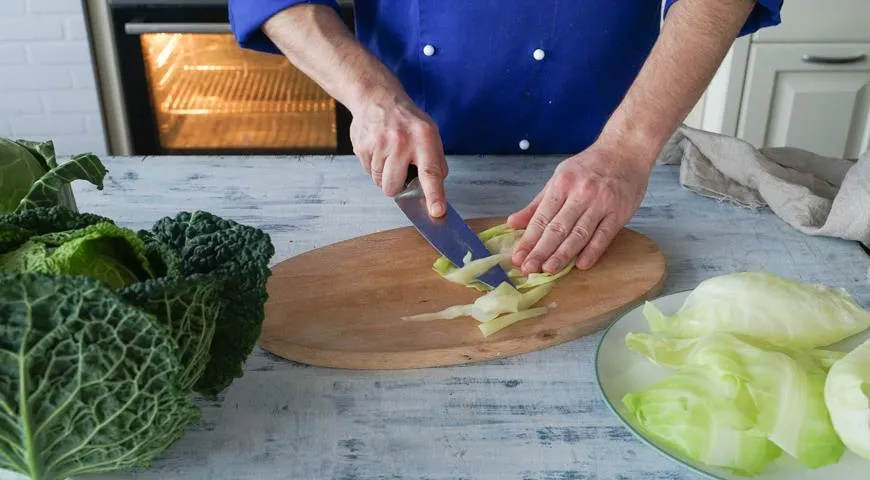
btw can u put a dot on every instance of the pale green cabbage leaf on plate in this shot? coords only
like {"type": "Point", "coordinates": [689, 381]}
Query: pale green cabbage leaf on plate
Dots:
{"type": "Point", "coordinates": [766, 306]}
{"type": "Point", "coordinates": [705, 416]}
{"type": "Point", "coordinates": [786, 387]}
{"type": "Point", "coordinates": [847, 395]}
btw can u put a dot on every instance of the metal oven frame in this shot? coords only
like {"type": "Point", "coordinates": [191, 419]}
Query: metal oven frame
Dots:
{"type": "Point", "coordinates": [129, 117]}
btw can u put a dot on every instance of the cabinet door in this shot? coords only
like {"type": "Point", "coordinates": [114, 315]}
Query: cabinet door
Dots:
{"type": "Point", "coordinates": [810, 96]}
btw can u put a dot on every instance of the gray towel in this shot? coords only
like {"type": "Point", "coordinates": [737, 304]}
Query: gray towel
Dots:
{"type": "Point", "coordinates": [816, 195]}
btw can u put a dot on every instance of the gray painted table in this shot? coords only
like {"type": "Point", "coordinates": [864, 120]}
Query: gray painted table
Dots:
{"type": "Point", "coordinates": [536, 416]}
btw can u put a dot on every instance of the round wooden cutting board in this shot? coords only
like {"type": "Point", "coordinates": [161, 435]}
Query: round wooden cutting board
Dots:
{"type": "Point", "coordinates": [341, 305]}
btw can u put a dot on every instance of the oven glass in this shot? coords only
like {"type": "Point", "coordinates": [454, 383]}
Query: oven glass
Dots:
{"type": "Point", "coordinates": [208, 93]}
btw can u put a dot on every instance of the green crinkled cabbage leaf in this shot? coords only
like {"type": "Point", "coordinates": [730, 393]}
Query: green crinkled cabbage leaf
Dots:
{"type": "Point", "coordinates": [705, 416]}
{"type": "Point", "coordinates": [190, 308]}
{"type": "Point", "coordinates": [786, 385]}
{"type": "Point", "coordinates": [238, 256]}
{"type": "Point", "coordinates": [765, 306]}
{"type": "Point", "coordinates": [91, 384]}
{"type": "Point", "coordinates": [206, 279]}
{"type": "Point", "coordinates": [31, 177]}
{"type": "Point", "coordinates": [103, 251]}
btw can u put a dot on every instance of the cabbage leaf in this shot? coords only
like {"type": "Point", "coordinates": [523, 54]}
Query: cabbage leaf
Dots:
{"type": "Point", "coordinates": [91, 384]}
{"type": "Point", "coordinates": [764, 306]}
{"type": "Point", "coordinates": [705, 416]}
{"type": "Point", "coordinates": [847, 396]}
{"type": "Point", "coordinates": [201, 276]}
{"type": "Point", "coordinates": [786, 385]}
{"type": "Point", "coordinates": [103, 251]}
{"type": "Point", "coordinates": [500, 240]}
{"type": "Point", "coordinates": [30, 175]}
{"type": "Point", "coordinates": [505, 304]}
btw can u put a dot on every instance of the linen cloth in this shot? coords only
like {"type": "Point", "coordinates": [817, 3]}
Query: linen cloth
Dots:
{"type": "Point", "coordinates": [815, 194]}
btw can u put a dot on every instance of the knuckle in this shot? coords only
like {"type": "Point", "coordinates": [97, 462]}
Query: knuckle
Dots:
{"type": "Point", "coordinates": [363, 151]}
{"type": "Point", "coordinates": [587, 184]}
{"type": "Point", "coordinates": [580, 232]}
{"type": "Point", "coordinates": [425, 129]}
{"type": "Point", "coordinates": [397, 138]}
{"type": "Point", "coordinates": [565, 181]}
{"type": "Point", "coordinates": [557, 228]}
{"type": "Point", "coordinates": [433, 171]}
{"type": "Point", "coordinates": [381, 140]}
{"type": "Point", "coordinates": [539, 222]}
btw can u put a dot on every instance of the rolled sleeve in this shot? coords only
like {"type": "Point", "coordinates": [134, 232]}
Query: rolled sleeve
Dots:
{"type": "Point", "coordinates": [765, 14]}
{"type": "Point", "coordinates": [247, 16]}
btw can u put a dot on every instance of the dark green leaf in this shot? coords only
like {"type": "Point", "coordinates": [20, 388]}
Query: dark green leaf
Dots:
{"type": "Point", "coordinates": [88, 383]}
{"type": "Point", "coordinates": [189, 307]}
{"type": "Point", "coordinates": [47, 191]}
{"type": "Point", "coordinates": [238, 256]}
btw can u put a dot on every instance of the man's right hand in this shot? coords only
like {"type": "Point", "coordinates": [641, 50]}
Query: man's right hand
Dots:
{"type": "Point", "coordinates": [388, 131]}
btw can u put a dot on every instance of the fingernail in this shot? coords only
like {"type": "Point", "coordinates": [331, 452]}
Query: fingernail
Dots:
{"type": "Point", "coordinates": [550, 266]}
{"type": "Point", "coordinates": [436, 209]}
{"type": "Point", "coordinates": [531, 266]}
{"type": "Point", "coordinates": [519, 256]}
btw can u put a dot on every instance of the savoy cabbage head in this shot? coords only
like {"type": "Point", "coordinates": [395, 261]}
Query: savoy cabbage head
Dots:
{"type": "Point", "coordinates": [202, 276]}
{"type": "Point", "coordinates": [90, 383]}
{"type": "Point", "coordinates": [185, 298]}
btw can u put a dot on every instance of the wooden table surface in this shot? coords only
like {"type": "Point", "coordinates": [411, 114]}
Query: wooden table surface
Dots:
{"type": "Point", "coordinates": [536, 416]}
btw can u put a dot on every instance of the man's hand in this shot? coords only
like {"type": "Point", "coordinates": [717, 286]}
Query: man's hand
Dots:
{"type": "Point", "coordinates": [592, 195]}
{"type": "Point", "coordinates": [390, 133]}
{"type": "Point", "coordinates": [589, 198]}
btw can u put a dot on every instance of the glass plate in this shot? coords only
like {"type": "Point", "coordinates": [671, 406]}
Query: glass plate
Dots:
{"type": "Point", "coordinates": [619, 371]}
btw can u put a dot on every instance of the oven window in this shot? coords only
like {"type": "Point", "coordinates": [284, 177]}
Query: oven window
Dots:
{"type": "Point", "coordinates": [208, 93]}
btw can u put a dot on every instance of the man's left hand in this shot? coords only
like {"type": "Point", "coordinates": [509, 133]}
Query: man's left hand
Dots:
{"type": "Point", "coordinates": [587, 201]}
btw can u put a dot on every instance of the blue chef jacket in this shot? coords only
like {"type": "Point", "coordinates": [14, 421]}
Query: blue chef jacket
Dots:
{"type": "Point", "coordinates": [504, 76]}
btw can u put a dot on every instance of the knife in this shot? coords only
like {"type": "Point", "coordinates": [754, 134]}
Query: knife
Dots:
{"type": "Point", "coordinates": [449, 234]}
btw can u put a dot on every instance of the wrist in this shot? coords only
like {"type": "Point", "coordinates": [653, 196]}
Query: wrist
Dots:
{"type": "Point", "coordinates": [363, 93]}
{"type": "Point", "coordinates": [637, 141]}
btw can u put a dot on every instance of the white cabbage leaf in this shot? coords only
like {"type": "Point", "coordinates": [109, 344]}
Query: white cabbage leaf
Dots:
{"type": "Point", "coordinates": [707, 417]}
{"type": "Point", "coordinates": [847, 396]}
{"type": "Point", "coordinates": [764, 306]}
{"type": "Point", "coordinates": [786, 385]}
{"type": "Point", "coordinates": [505, 304]}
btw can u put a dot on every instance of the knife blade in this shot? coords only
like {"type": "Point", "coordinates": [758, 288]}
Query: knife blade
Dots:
{"type": "Point", "coordinates": [449, 234]}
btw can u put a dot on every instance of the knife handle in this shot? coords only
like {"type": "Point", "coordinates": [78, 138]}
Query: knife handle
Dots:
{"type": "Point", "coordinates": [412, 174]}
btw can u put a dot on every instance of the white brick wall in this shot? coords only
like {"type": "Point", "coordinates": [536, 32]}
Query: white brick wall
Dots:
{"type": "Point", "coordinates": [47, 85]}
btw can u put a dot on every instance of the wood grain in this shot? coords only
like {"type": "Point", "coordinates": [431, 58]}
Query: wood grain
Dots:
{"type": "Point", "coordinates": [341, 305]}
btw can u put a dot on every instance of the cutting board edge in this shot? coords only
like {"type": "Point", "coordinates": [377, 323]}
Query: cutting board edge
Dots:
{"type": "Point", "coordinates": [460, 355]}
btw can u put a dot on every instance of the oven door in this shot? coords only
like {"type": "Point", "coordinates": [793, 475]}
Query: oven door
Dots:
{"type": "Point", "coordinates": [190, 89]}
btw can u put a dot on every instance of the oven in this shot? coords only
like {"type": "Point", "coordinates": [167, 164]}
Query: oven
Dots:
{"type": "Point", "coordinates": [173, 81]}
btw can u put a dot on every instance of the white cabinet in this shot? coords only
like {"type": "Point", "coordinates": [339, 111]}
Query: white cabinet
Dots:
{"type": "Point", "coordinates": [814, 97]}
{"type": "Point", "coordinates": [804, 83]}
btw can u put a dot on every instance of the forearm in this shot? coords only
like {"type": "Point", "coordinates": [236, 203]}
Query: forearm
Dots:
{"type": "Point", "coordinates": [695, 37]}
{"type": "Point", "coordinates": [317, 42]}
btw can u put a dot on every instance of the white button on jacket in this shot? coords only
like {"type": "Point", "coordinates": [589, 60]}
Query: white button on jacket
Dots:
{"type": "Point", "coordinates": [428, 50]}
{"type": "Point", "coordinates": [524, 144]}
{"type": "Point", "coordinates": [538, 54]}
